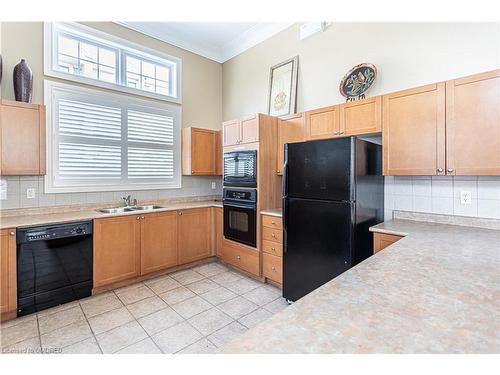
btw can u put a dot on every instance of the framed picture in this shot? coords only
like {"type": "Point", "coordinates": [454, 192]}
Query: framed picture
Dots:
{"type": "Point", "coordinates": [283, 87]}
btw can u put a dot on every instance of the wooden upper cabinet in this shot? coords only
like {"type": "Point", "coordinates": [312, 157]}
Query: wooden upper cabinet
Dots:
{"type": "Point", "coordinates": [473, 125]}
{"type": "Point", "coordinates": [8, 280]}
{"type": "Point", "coordinates": [323, 123]}
{"type": "Point", "coordinates": [291, 129]}
{"type": "Point", "coordinates": [194, 234]}
{"type": "Point", "coordinates": [116, 249]}
{"type": "Point", "coordinates": [218, 154]}
{"type": "Point", "coordinates": [249, 129]}
{"type": "Point", "coordinates": [158, 241]}
{"type": "Point", "coordinates": [22, 138]}
{"type": "Point", "coordinates": [200, 151]}
{"type": "Point", "coordinates": [361, 116]}
{"type": "Point", "coordinates": [413, 135]}
{"type": "Point", "coordinates": [231, 133]}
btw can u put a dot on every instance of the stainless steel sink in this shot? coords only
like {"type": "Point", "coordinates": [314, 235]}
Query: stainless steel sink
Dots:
{"type": "Point", "coordinates": [115, 210]}
{"type": "Point", "coordinates": [118, 210]}
{"type": "Point", "coordinates": [145, 208]}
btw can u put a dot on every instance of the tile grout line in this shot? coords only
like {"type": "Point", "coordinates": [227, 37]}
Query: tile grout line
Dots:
{"type": "Point", "coordinates": [91, 330]}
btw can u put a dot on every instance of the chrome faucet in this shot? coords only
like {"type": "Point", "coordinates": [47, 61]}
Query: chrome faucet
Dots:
{"type": "Point", "coordinates": [128, 201]}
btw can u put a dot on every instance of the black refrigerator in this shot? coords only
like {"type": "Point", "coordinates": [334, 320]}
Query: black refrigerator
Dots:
{"type": "Point", "coordinates": [333, 191]}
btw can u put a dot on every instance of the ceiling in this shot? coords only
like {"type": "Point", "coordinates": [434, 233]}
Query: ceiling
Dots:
{"type": "Point", "coordinates": [219, 41]}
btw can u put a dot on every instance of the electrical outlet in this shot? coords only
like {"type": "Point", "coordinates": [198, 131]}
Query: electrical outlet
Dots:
{"type": "Point", "coordinates": [214, 185]}
{"type": "Point", "coordinates": [30, 193]}
{"type": "Point", "coordinates": [465, 197]}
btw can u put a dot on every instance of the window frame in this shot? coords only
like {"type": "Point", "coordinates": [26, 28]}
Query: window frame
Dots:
{"type": "Point", "coordinates": [51, 88]}
{"type": "Point", "coordinates": [122, 47]}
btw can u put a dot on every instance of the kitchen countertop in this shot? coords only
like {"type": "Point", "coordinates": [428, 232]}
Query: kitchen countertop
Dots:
{"type": "Point", "coordinates": [88, 214]}
{"type": "Point", "coordinates": [272, 212]}
{"type": "Point", "coordinates": [437, 290]}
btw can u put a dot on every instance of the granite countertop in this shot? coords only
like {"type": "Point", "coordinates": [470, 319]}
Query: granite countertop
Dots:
{"type": "Point", "coordinates": [437, 290]}
{"type": "Point", "coordinates": [87, 214]}
{"type": "Point", "coordinates": [272, 212]}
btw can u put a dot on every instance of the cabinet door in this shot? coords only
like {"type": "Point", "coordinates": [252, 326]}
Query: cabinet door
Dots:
{"type": "Point", "coordinates": [361, 116]}
{"type": "Point", "coordinates": [382, 240]}
{"type": "Point", "coordinates": [323, 123]}
{"type": "Point", "coordinates": [473, 125]}
{"type": "Point", "coordinates": [158, 241]}
{"type": "Point", "coordinates": [22, 138]}
{"type": "Point", "coordinates": [231, 132]}
{"type": "Point", "coordinates": [202, 152]}
{"type": "Point", "coordinates": [218, 153]}
{"type": "Point", "coordinates": [249, 129]}
{"type": "Point", "coordinates": [414, 131]}
{"type": "Point", "coordinates": [290, 129]}
{"type": "Point", "coordinates": [116, 249]}
{"type": "Point", "coordinates": [194, 234]}
{"type": "Point", "coordinates": [219, 230]}
{"type": "Point", "coordinates": [8, 283]}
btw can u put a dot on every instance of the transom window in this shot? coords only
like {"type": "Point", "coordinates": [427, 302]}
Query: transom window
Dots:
{"type": "Point", "coordinates": [106, 141]}
{"type": "Point", "coordinates": [79, 53]}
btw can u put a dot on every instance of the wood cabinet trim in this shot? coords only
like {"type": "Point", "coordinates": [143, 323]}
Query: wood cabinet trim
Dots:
{"type": "Point", "coordinates": [8, 259]}
{"type": "Point", "coordinates": [382, 240]}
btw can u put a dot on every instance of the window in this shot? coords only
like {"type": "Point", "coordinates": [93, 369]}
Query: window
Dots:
{"type": "Point", "coordinates": [78, 53]}
{"type": "Point", "coordinates": [106, 141]}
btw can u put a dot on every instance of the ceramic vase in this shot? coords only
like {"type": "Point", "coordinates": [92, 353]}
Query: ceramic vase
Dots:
{"type": "Point", "coordinates": [23, 82]}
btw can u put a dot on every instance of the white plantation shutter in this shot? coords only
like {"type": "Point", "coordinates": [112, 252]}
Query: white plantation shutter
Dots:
{"type": "Point", "coordinates": [105, 141]}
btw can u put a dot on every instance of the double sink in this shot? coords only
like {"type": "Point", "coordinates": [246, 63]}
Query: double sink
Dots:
{"type": "Point", "coordinates": [117, 210]}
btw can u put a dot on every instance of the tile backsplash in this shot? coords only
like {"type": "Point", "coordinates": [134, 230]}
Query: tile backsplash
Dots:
{"type": "Point", "coordinates": [13, 192]}
{"type": "Point", "coordinates": [441, 195]}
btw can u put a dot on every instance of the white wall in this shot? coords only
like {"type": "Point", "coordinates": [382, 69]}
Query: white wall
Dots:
{"type": "Point", "coordinates": [406, 55]}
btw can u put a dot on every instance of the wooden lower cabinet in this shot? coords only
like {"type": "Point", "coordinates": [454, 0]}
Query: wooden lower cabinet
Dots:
{"type": "Point", "coordinates": [382, 240]}
{"type": "Point", "coordinates": [272, 267]}
{"type": "Point", "coordinates": [219, 230]}
{"type": "Point", "coordinates": [241, 256]}
{"type": "Point", "coordinates": [272, 248]}
{"type": "Point", "coordinates": [194, 234]}
{"type": "Point", "coordinates": [8, 282]}
{"type": "Point", "coordinates": [158, 241]}
{"type": "Point", "coordinates": [116, 249]}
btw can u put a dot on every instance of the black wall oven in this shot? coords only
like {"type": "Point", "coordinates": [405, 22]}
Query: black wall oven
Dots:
{"type": "Point", "coordinates": [240, 168]}
{"type": "Point", "coordinates": [240, 215]}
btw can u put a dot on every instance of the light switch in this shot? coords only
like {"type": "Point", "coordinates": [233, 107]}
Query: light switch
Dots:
{"type": "Point", "coordinates": [30, 193]}
{"type": "Point", "coordinates": [465, 197]}
{"type": "Point", "coordinates": [214, 185]}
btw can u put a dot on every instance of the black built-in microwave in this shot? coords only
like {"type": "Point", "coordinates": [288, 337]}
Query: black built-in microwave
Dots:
{"type": "Point", "coordinates": [240, 168]}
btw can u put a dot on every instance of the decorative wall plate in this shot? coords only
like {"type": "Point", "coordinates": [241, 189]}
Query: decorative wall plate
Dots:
{"type": "Point", "coordinates": [357, 80]}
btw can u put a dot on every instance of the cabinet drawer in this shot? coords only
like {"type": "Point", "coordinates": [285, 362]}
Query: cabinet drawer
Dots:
{"type": "Point", "coordinates": [273, 248]}
{"type": "Point", "coordinates": [272, 222]}
{"type": "Point", "coordinates": [381, 241]}
{"type": "Point", "coordinates": [241, 257]}
{"type": "Point", "coordinates": [272, 267]}
{"type": "Point", "coordinates": [272, 234]}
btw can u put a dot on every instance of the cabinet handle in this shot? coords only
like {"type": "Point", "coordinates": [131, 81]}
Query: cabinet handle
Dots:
{"type": "Point", "coordinates": [180, 213]}
{"type": "Point", "coordinates": [137, 218]}
{"type": "Point", "coordinates": [273, 268]}
{"type": "Point", "coordinates": [449, 170]}
{"type": "Point", "coordinates": [273, 249]}
{"type": "Point", "coordinates": [193, 172]}
{"type": "Point", "coordinates": [142, 217]}
{"type": "Point", "coordinates": [341, 133]}
{"type": "Point", "coordinates": [12, 233]}
{"type": "Point", "coordinates": [278, 171]}
{"type": "Point", "coordinates": [273, 222]}
{"type": "Point", "coordinates": [335, 133]}
{"type": "Point", "coordinates": [439, 170]}
{"type": "Point", "coordinates": [273, 235]}
{"type": "Point", "coordinates": [238, 257]}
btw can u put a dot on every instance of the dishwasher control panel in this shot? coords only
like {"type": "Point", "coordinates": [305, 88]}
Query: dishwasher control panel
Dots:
{"type": "Point", "coordinates": [44, 233]}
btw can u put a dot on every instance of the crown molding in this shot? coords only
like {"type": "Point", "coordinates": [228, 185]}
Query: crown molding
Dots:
{"type": "Point", "coordinates": [238, 45]}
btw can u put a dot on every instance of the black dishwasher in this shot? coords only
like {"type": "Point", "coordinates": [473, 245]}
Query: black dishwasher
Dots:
{"type": "Point", "coordinates": [54, 265]}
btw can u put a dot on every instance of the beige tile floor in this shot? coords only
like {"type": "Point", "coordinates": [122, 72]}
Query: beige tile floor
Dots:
{"type": "Point", "coordinates": [196, 310]}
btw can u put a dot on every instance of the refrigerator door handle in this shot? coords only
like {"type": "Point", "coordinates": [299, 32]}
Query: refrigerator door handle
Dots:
{"type": "Point", "coordinates": [285, 224]}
